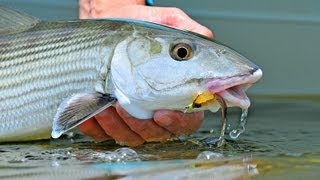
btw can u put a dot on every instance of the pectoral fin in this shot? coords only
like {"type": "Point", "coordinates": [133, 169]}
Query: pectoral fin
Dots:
{"type": "Point", "coordinates": [78, 108]}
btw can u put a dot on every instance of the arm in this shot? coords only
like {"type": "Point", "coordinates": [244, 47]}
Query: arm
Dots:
{"type": "Point", "coordinates": [114, 122]}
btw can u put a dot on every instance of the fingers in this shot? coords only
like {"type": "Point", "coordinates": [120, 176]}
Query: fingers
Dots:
{"type": "Point", "coordinates": [84, 9]}
{"type": "Point", "coordinates": [179, 123]}
{"type": "Point", "coordinates": [92, 128]}
{"type": "Point", "coordinates": [115, 127]}
{"type": "Point", "coordinates": [147, 129]}
{"type": "Point", "coordinates": [177, 18]}
{"type": "Point", "coordinates": [127, 130]}
{"type": "Point", "coordinates": [173, 17]}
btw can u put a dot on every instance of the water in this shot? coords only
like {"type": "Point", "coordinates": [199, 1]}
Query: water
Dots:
{"type": "Point", "coordinates": [234, 134]}
{"type": "Point", "coordinates": [281, 141]}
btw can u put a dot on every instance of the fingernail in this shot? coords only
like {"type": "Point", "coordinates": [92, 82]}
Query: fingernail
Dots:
{"type": "Point", "coordinates": [166, 120]}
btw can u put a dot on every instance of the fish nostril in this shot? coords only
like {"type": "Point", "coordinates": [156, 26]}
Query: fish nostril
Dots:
{"type": "Point", "coordinates": [254, 70]}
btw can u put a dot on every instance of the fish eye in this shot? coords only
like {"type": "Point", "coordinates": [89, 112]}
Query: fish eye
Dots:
{"type": "Point", "coordinates": [181, 52]}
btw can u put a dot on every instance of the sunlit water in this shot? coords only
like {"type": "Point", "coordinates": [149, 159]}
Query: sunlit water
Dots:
{"type": "Point", "coordinates": [281, 141]}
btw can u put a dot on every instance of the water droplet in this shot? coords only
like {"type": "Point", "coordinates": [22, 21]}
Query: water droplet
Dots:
{"type": "Point", "coordinates": [234, 134]}
{"type": "Point", "coordinates": [228, 127]}
{"type": "Point", "coordinates": [209, 155]}
{"type": "Point", "coordinates": [211, 131]}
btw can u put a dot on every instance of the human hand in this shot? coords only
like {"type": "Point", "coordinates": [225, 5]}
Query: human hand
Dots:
{"type": "Point", "coordinates": [135, 9]}
{"type": "Point", "coordinates": [114, 122]}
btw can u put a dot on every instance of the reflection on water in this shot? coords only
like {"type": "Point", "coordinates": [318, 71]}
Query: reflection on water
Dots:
{"type": "Point", "coordinates": [281, 139]}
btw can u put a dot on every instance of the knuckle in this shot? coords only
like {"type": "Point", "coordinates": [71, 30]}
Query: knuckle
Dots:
{"type": "Point", "coordinates": [176, 10]}
{"type": "Point", "coordinates": [175, 15]}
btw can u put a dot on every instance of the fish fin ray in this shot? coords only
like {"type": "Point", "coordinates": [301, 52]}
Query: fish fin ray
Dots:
{"type": "Point", "coordinates": [12, 21]}
{"type": "Point", "coordinates": [78, 108]}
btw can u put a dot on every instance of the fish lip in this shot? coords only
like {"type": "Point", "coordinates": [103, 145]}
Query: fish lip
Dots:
{"type": "Point", "coordinates": [232, 89]}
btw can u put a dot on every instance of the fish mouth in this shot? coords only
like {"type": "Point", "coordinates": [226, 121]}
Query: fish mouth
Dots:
{"type": "Point", "coordinates": [233, 89]}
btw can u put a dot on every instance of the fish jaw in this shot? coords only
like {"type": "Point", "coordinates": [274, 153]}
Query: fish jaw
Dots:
{"type": "Point", "coordinates": [232, 89]}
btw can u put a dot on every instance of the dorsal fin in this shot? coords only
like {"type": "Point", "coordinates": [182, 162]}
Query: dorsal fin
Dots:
{"type": "Point", "coordinates": [12, 21]}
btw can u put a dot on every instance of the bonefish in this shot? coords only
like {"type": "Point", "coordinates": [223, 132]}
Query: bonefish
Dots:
{"type": "Point", "coordinates": [55, 75]}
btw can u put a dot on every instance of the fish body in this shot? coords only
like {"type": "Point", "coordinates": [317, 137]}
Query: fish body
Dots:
{"type": "Point", "coordinates": [55, 75]}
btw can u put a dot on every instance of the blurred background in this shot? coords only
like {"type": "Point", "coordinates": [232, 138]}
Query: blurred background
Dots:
{"type": "Point", "coordinates": [282, 37]}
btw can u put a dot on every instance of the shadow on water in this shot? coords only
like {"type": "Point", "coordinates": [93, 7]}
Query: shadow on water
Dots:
{"type": "Point", "coordinates": [281, 140]}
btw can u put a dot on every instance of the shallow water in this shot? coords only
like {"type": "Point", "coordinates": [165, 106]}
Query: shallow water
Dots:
{"type": "Point", "coordinates": [281, 141]}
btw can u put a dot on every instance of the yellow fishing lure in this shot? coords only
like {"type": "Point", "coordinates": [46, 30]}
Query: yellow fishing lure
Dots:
{"type": "Point", "coordinates": [203, 99]}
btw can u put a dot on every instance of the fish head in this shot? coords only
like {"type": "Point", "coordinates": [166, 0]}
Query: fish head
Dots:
{"type": "Point", "coordinates": [163, 68]}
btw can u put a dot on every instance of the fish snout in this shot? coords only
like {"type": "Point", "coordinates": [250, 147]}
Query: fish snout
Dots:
{"type": "Point", "coordinates": [253, 70]}
{"type": "Point", "coordinates": [232, 89]}
{"type": "Point", "coordinates": [256, 74]}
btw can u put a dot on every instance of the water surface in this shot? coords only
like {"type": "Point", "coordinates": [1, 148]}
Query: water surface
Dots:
{"type": "Point", "coordinates": [281, 141]}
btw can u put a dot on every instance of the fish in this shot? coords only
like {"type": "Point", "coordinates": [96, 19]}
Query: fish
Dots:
{"type": "Point", "coordinates": [54, 75]}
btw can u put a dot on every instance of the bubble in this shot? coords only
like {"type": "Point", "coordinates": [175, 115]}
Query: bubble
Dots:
{"type": "Point", "coordinates": [127, 154]}
{"type": "Point", "coordinates": [55, 163]}
{"type": "Point", "coordinates": [107, 156]}
{"type": "Point", "coordinates": [18, 160]}
{"type": "Point", "coordinates": [119, 155]}
{"type": "Point", "coordinates": [209, 155]}
{"type": "Point", "coordinates": [228, 127]}
{"type": "Point", "coordinates": [252, 169]}
{"type": "Point", "coordinates": [111, 157]}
